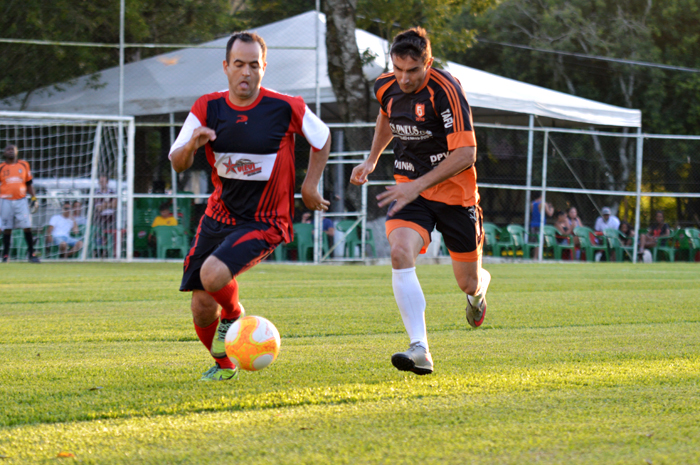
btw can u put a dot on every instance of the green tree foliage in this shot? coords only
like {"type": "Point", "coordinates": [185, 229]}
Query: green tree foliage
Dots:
{"type": "Point", "coordinates": [645, 30]}
{"type": "Point", "coordinates": [386, 18]}
{"type": "Point", "coordinates": [28, 67]}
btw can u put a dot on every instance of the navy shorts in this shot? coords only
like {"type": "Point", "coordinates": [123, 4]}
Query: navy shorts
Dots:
{"type": "Point", "coordinates": [240, 247]}
{"type": "Point", "coordinates": [461, 227]}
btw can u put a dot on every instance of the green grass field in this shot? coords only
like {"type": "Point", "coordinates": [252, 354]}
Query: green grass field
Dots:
{"type": "Point", "coordinates": [575, 364]}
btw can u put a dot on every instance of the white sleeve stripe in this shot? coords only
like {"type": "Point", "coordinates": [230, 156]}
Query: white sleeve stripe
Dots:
{"type": "Point", "coordinates": [315, 130]}
{"type": "Point", "coordinates": [191, 123]}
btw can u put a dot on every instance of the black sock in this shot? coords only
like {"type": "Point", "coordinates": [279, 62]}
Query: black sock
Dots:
{"type": "Point", "coordinates": [30, 242]}
{"type": "Point", "coordinates": [6, 239]}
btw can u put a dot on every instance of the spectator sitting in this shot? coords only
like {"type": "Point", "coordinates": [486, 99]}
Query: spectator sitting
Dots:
{"type": "Point", "coordinates": [77, 213]}
{"type": "Point", "coordinates": [536, 216]}
{"type": "Point", "coordinates": [164, 218]}
{"type": "Point", "coordinates": [628, 233]}
{"type": "Point", "coordinates": [574, 220]}
{"type": "Point", "coordinates": [656, 230]}
{"type": "Point", "coordinates": [563, 226]}
{"type": "Point", "coordinates": [59, 233]}
{"type": "Point", "coordinates": [607, 221]}
{"type": "Point", "coordinates": [327, 227]}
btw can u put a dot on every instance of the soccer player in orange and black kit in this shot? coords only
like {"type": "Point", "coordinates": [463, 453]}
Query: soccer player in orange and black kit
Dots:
{"type": "Point", "coordinates": [15, 183]}
{"type": "Point", "coordinates": [424, 109]}
{"type": "Point", "coordinates": [248, 135]}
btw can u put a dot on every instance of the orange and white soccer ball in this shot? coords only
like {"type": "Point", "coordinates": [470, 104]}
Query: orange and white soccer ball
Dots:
{"type": "Point", "coordinates": [252, 343]}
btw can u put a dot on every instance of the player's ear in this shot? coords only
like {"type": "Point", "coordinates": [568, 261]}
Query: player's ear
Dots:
{"type": "Point", "coordinates": [429, 63]}
{"type": "Point", "coordinates": [225, 65]}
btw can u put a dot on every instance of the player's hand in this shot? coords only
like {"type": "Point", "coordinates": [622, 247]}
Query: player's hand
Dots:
{"type": "Point", "coordinates": [313, 200]}
{"type": "Point", "coordinates": [201, 136]}
{"type": "Point", "coordinates": [403, 193]}
{"type": "Point", "coordinates": [33, 205]}
{"type": "Point", "coordinates": [360, 173]}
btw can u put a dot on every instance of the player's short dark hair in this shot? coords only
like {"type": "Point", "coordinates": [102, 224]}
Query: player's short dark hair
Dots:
{"type": "Point", "coordinates": [412, 43]}
{"type": "Point", "coordinates": [67, 202]}
{"type": "Point", "coordinates": [164, 206]}
{"type": "Point", "coordinates": [249, 38]}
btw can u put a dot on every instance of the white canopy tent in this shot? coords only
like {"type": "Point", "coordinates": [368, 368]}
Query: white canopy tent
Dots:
{"type": "Point", "coordinates": [170, 83]}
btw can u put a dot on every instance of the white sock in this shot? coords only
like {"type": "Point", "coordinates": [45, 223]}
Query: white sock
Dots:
{"type": "Point", "coordinates": [475, 300]}
{"type": "Point", "coordinates": [411, 301]}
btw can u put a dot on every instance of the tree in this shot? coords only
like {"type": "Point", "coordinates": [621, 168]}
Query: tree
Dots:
{"type": "Point", "coordinates": [29, 67]}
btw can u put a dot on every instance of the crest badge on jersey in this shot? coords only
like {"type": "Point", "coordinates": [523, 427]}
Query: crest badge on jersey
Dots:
{"type": "Point", "coordinates": [420, 112]}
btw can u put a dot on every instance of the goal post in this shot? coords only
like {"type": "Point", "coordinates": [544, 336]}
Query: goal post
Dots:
{"type": "Point", "coordinates": [87, 160]}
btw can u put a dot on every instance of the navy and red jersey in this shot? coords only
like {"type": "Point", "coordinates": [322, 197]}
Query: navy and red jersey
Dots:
{"type": "Point", "coordinates": [252, 157]}
{"type": "Point", "coordinates": [427, 125]}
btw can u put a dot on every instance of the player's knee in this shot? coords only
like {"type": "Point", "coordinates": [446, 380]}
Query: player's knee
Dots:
{"type": "Point", "coordinates": [401, 256]}
{"type": "Point", "coordinates": [214, 274]}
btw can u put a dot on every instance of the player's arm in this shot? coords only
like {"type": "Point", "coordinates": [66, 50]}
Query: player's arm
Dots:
{"type": "Point", "coordinates": [382, 137]}
{"type": "Point", "coordinates": [309, 189]}
{"type": "Point", "coordinates": [192, 136]}
{"type": "Point", "coordinates": [459, 159]}
{"type": "Point", "coordinates": [183, 157]}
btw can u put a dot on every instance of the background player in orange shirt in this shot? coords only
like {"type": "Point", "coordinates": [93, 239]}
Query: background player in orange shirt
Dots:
{"type": "Point", "coordinates": [424, 109]}
{"type": "Point", "coordinates": [15, 182]}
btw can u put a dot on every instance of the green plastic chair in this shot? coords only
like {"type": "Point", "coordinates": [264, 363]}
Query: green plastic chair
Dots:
{"type": "Point", "coordinates": [551, 235]}
{"type": "Point", "coordinates": [502, 241]}
{"type": "Point", "coordinates": [666, 245]}
{"type": "Point", "coordinates": [352, 237]}
{"type": "Point", "coordinates": [491, 232]}
{"type": "Point", "coordinates": [170, 238]}
{"type": "Point", "coordinates": [584, 235]}
{"type": "Point", "coordinates": [304, 238]}
{"type": "Point", "coordinates": [517, 234]}
{"type": "Point", "coordinates": [690, 240]}
{"type": "Point", "coordinates": [614, 238]}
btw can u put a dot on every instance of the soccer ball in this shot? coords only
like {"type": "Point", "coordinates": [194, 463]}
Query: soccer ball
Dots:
{"type": "Point", "coordinates": [252, 343]}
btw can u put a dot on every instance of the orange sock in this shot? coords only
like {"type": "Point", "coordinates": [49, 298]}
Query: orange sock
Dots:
{"type": "Point", "coordinates": [206, 334]}
{"type": "Point", "coordinates": [227, 297]}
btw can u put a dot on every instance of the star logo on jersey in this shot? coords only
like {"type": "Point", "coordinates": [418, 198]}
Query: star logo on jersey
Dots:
{"type": "Point", "coordinates": [420, 112]}
{"type": "Point", "coordinates": [242, 119]}
{"type": "Point", "coordinates": [247, 167]}
{"type": "Point", "coordinates": [230, 166]}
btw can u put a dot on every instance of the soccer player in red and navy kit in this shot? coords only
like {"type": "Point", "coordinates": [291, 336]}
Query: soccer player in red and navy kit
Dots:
{"type": "Point", "coordinates": [248, 135]}
{"type": "Point", "coordinates": [424, 109]}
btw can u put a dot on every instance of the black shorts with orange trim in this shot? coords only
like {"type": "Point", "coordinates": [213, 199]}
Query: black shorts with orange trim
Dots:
{"type": "Point", "coordinates": [240, 247]}
{"type": "Point", "coordinates": [461, 227]}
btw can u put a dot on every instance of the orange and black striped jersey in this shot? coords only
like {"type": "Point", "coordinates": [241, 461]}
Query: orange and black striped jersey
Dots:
{"type": "Point", "coordinates": [13, 180]}
{"type": "Point", "coordinates": [427, 125]}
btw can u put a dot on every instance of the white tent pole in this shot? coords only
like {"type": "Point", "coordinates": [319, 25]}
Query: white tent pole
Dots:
{"type": "Point", "coordinates": [638, 213]}
{"type": "Point", "coordinates": [318, 58]}
{"type": "Point", "coordinates": [543, 213]}
{"type": "Point", "coordinates": [122, 8]}
{"type": "Point", "coordinates": [528, 182]}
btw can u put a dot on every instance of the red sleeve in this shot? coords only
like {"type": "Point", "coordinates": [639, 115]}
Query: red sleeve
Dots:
{"type": "Point", "coordinates": [199, 109]}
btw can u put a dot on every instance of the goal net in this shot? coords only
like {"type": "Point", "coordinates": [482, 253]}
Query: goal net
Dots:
{"type": "Point", "coordinates": [82, 162]}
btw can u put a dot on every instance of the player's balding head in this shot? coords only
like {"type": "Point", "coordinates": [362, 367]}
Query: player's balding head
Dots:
{"type": "Point", "coordinates": [11, 152]}
{"type": "Point", "coordinates": [249, 38]}
{"type": "Point", "coordinates": [412, 43]}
